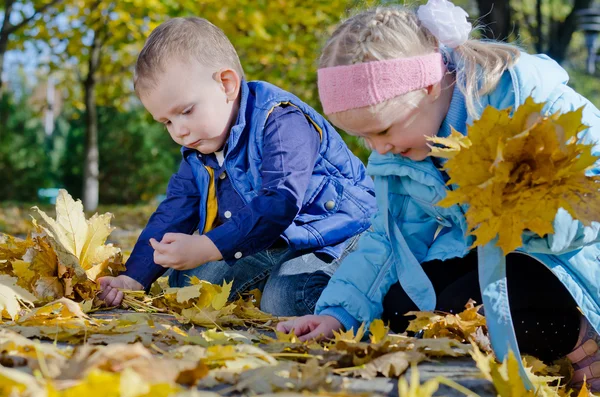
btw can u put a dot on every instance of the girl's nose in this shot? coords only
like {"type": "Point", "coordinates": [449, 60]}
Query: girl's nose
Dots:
{"type": "Point", "coordinates": [383, 148]}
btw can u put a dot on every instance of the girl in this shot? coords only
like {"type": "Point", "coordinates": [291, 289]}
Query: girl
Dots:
{"type": "Point", "coordinates": [393, 77]}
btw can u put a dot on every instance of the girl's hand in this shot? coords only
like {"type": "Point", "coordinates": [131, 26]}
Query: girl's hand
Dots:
{"type": "Point", "coordinates": [182, 251]}
{"type": "Point", "coordinates": [311, 327]}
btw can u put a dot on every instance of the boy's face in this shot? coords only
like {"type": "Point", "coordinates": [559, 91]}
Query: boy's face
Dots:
{"type": "Point", "coordinates": [195, 104]}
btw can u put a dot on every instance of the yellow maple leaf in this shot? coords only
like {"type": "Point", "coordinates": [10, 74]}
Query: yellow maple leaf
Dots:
{"type": "Point", "coordinates": [18, 383]}
{"type": "Point", "coordinates": [584, 392]}
{"type": "Point", "coordinates": [12, 247]}
{"type": "Point", "coordinates": [463, 326]}
{"type": "Point", "coordinates": [13, 297]}
{"type": "Point", "coordinates": [506, 377]}
{"type": "Point", "coordinates": [514, 173]}
{"type": "Point", "coordinates": [62, 308]}
{"type": "Point", "coordinates": [416, 389]}
{"type": "Point", "coordinates": [125, 384]}
{"type": "Point", "coordinates": [378, 331]}
{"type": "Point", "coordinates": [184, 294]}
{"type": "Point", "coordinates": [79, 243]}
{"type": "Point", "coordinates": [350, 335]}
{"type": "Point", "coordinates": [453, 144]}
{"type": "Point", "coordinates": [220, 300]}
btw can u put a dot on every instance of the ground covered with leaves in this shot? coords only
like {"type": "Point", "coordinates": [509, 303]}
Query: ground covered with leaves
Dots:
{"type": "Point", "coordinates": [57, 339]}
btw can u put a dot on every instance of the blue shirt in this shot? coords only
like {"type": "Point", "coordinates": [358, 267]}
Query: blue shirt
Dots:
{"type": "Point", "coordinates": [291, 145]}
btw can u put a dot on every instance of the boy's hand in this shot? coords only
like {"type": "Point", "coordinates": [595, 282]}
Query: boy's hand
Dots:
{"type": "Point", "coordinates": [182, 251]}
{"type": "Point", "coordinates": [109, 288]}
{"type": "Point", "coordinates": [311, 327]}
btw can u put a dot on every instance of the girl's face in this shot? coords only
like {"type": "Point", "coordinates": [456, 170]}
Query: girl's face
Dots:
{"type": "Point", "coordinates": [401, 127]}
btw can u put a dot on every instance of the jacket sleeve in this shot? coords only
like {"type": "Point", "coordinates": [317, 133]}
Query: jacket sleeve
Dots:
{"type": "Point", "coordinates": [355, 292]}
{"type": "Point", "coordinates": [178, 213]}
{"type": "Point", "coordinates": [570, 234]}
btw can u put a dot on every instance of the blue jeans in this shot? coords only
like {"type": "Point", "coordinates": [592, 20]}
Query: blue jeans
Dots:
{"type": "Point", "coordinates": [291, 282]}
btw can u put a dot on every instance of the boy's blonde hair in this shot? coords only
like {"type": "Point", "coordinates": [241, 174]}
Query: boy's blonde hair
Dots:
{"type": "Point", "coordinates": [395, 32]}
{"type": "Point", "coordinates": [183, 39]}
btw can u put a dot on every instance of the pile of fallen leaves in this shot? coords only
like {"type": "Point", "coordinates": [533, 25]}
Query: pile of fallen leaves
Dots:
{"type": "Point", "coordinates": [57, 341]}
{"type": "Point", "coordinates": [514, 173]}
{"type": "Point", "coordinates": [62, 257]}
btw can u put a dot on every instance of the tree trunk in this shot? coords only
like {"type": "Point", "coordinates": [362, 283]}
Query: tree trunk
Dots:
{"type": "Point", "coordinates": [91, 191]}
{"type": "Point", "coordinates": [539, 44]}
{"type": "Point", "coordinates": [4, 32]}
{"type": "Point", "coordinates": [496, 16]}
{"type": "Point", "coordinates": [562, 32]}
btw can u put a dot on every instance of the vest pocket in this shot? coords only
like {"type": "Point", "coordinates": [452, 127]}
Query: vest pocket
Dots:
{"type": "Point", "coordinates": [326, 200]}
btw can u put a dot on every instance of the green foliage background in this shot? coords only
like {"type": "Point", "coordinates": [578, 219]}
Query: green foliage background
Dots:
{"type": "Point", "coordinates": [277, 40]}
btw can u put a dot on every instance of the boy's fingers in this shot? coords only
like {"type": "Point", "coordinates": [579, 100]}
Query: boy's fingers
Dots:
{"type": "Point", "coordinates": [104, 292]}
{"type": "Point", "coordinates": [104, 282]}
{"type": "Point", "coordinates": [111, 297]}
{"type": "Point", "coordinates": [161, 260]}
{"type": "Point", "coordinates": [169, 238]}
{"type": "Point", "coordinates": [156, 245]}
{"type": "Point", "coordinates": [118, 298]}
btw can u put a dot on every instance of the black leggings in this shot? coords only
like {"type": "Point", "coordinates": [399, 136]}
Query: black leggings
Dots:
{"type": "Point", "coordinates": [545, 316]}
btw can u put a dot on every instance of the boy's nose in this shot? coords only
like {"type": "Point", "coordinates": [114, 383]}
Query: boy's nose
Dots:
{"type": "Point", "coordinates": [181, 130]}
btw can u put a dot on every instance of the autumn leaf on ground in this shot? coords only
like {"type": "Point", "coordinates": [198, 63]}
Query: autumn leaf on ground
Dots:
{"type": "Point", "coordinates": [34, 354]}
{"type": "Point", "coordinates": [465, 327]}
{"type": "Point", "coordinates": [287, 376]}
{"type": "Point", "coordinates": [12, 248]}
{"type": "Point", "coordinates": [514, 173]}
{"type": "Point", "coordinates": [507, 380]}
{"type": "Point", "coordinates": [62, 308]}
{"type": "Point", "coordinates": [205, 304]}
{"type": "Point", "coordinates": [126, 383]}
{"type": "Point", "coordinates": [378, 331]}
{"type": "Point", "coordinates": [350, 336]}
{"type": "Point", "coordinates": [17, 383]}
{"type": "Point", "coordinates": [390, 365]}
{"type": "Point", "coordinates": [118, 357]}
{"type": "Point", "coordinates": [80, 243]}
{"type": "Point", "coordinates": [415, 388]}
{"type": "Point", "coordinates": [440, 347]}
{"type": "Point", "coordinates": [584, 391]}
{"type": "Point", "coordinates": [12, 297]}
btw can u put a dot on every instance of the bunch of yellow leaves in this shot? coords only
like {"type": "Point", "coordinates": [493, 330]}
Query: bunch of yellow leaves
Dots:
{"type": "Point", "coordinates": [507, 380]}
{"type": "Point", "coordinates": [465, 327]}
{"type": "Point", "coordinates": [514, 173]}
{"type": "Point", "coordinates": [66, 255]}
{"type": "Point", "coordinates": [204, 304]}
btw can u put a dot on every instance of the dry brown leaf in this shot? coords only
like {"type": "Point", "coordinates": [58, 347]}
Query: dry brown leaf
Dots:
{"type": "Point", "coordinates": [390, 365]}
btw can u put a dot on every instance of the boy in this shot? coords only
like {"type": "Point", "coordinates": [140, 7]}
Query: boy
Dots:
{"type": "Point", "coordinates": [273, 190]}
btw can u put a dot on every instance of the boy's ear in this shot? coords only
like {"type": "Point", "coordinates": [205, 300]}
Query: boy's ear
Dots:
{"type": "Point", "coordinates": [230, 82]}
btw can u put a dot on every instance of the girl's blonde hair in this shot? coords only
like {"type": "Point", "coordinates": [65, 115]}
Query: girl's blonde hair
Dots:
{"type": "Point", "coordinates": [395, 32]}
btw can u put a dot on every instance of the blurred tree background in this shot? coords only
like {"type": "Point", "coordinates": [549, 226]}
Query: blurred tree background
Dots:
{"type": "Point", "coordinates": [68, 116]}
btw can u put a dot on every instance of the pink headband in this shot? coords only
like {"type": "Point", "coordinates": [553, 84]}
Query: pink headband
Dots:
{"type": "Point", "coordinates": [365, 84]}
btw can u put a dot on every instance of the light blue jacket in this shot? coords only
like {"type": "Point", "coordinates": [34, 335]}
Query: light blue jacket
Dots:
{"type": "Point", "coordinates": [409, 228]}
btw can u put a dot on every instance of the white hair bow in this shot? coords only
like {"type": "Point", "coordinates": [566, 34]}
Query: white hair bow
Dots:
{"type": "Point", "coordinates": [447, 22]}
